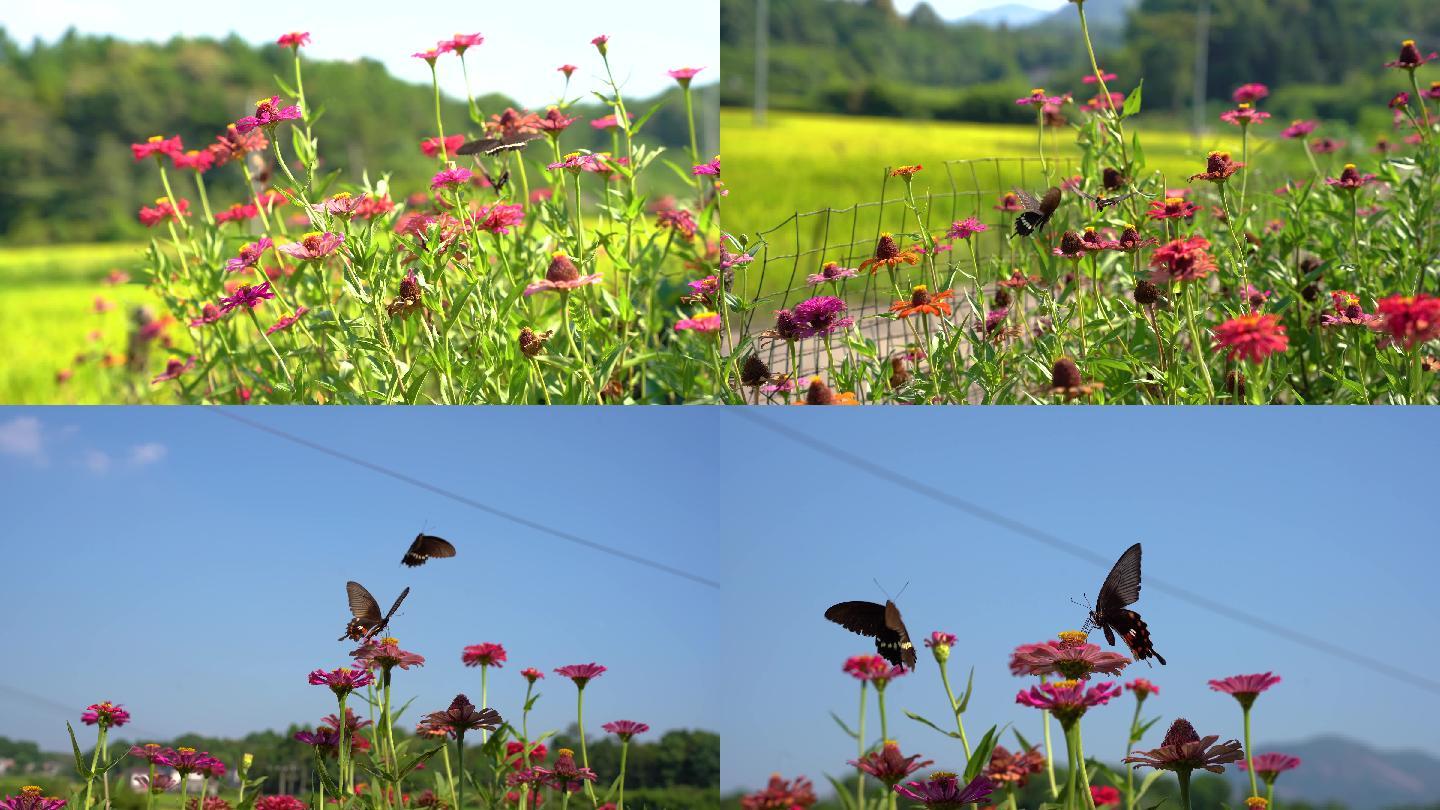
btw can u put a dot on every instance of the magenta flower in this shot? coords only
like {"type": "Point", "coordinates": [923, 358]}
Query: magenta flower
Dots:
{"type": "Point", "coordinates": [563, 276]}
{"type": "Point", "coordinates": [1299, 129]}
{"type": "Point", "coordinates": [699, 322]}
{"type": "Point", "coordinates": [343, 204]}
{"type": "Point", "coordinates": [832, 271]}
{"type": "Point", "coordinates": [964, 228]}
{"type": "Point", "coordinates": [451, 177]}
{"type": "Point", "coordinates": [578, 162]}
{"type": "Point", "coordinates": [342, 681]}
{"type": "Point", "coordinates": [943, 791]}
{"type": "Point", "coordinates": [487, 654]}
{"type": "Point", "coordinates": [1350, 178]}
{"type": "Point", "coordinates": [185, 761]}
{"type": "Point", "coordinates": [1143, 688]}
{"type": "Point", "coordinates": [211, 768]}
{"type": "Point", "coordinates": [887, 765]}
{"type": "Point", "coordinates": [150, 752]}
{"type": "Point", "coordinates": [158, 146]}
{"type": "Point", "coordinates": [429, 56]}
{"type": "Point", "coordinates": [208, 314]}
{"type": "Point", "coordinates": [314, 245]}
{"type": "Point", "coordinates": [462, 42]}
{"type": "Point", "coordinates": [608, 122]}
{"type": "Point", "coordinates": [386, 654]}
{"type": "Point", "coordinates": [729, 260]}
{"type": "Point", "coordinates": [280, 802]}
{"type": "Point", "coordinates": [625, 729]}
{"type": "Point", "coordinates": [1250, 93]}
{"type": "Point", "coordinates": [581, 674]}
{"type": "Point", "coordinates": [566, 776]}
{"type": "Point", "coordinates": [1184, 750]}
{"type": "Point", "coordinates": [268, 115]}
{"type": "Point", "coordinates": [1410, 57]}
{"type": "Point", "coordinates": [941, 639]}
{"type": "Point", "coordinates": [568, 70]}
{"type": "Point", "coordinates": [246, 296]}
{"type": "Point", "coordinates": [462, 716]}
{"type": "Point", "coordinates": [601, 43]}
{"type": "Point", "coordinates": [1270, 765]}
{"type": "Point", "coordinates": [105, 715]}
{"type": "Point", "coordinates": [886, 674]}
{"type": "Point", "coordinates": [1324, 146]}
{"type": "Point", "coordinates": [532, 674]}
{"type": "Point", "coordinates": [325, 739]}
{"type": "Point", "coordinates": [821, 316]}
{"type": "Point", "coordinates": [162, 783]}
{"type": "Point", "coordinates": [1071, 658]}
{"type": "Point", "coordinates": [1245, 688]}
{"type": "Point", "coordinates": [249, 255]}
{"type": "Point", "coordinates": [1067, 700]}
{"type": "Point", "coordinates": [1089, 78]}
{"type": "Point", "coordinates": [174, 367]}
{"type": "Point", "coordinates": [294, 39]}
{"type": "Point", "coordinates": [865, 667]}
{"type": "Point", "coordinates": [29, 798]}
{"type": "Point", "coordinates": [1243, 115]}
{"type": "Point", "coordinates": [683, 75]}
{"type": "Point", "coordinates": [1037, 96]}
{"type": "Point", "coordinates": [711, 168]}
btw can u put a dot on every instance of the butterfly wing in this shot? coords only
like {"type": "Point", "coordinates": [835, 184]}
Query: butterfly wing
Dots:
{"type": "Point", "coordinates": [1050, 202]}
{"type": "Point", "coordinates": [424, 547]}
{"type": "Point", "coordinates": [476, 147]}
{"type": "Point", "coordinates": [510, 142]}
{"type": "Point", "coordinates": [364, 608]}
{"type": "Point", "coordinates": [1122, 585]}
{"type": "Point", "coordinates": [865, 618]}
{"type": "Point", "coordinates": [1029, 222]}
{"type": "Point", "coordinates": [900, 648]}
{"type": "Point", "coordinates": [1136, 635]}
{"type": "Point", "coordinates": [1089, 197]}
{"type": "Point", "coordinates": [1026, 199]}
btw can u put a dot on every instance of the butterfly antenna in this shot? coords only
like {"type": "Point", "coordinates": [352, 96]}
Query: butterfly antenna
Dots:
{"type": "Point", "coordinates": [881, 587]}
{"type": "Point", "coordinates": [902, 590]}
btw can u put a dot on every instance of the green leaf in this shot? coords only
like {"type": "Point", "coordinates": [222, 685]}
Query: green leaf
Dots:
{"type": "Point", "coordinates": [80, 769]}
{"type": "Point", "coordinates": [1145, 785]}
{"type": "Point", "coordinates": [844, 794]}
{"type": "Point", "coordinates": [610, 791]}
{"type": "Point", "coordinates": [382, 774]}
{"type": "Point", "coordinates": [917, 718]}
{"type": "Point", "coordinates": [1024, 743]}
{"type": "Point", "coordinates": [640, 122]}
{"type": "Point", "coordinates": [841, 724]}
{"type": "Point", "coordinates": [964, 702]}
{"type": "Point", "coordinates": [530, 704]}
{"type": "Point", "coordinates": [252, 788]}
{"type": "Point", "coordinates": [325, 780]}
{"type": "Point", "coordinates": [415, 763]}
{"type": "Point", "coordinates": [980, 755]}
{"type": "Point", "coordinates": [1132, 101]}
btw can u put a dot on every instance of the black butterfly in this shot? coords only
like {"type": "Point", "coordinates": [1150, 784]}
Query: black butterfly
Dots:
{"type": "Point", "coordinates": [1121, 588]}
{"type": "Point", "coordinates": [881, 622]}
{"type": "Point", "coordinates": [1102, 202]}
{"type": "Point", "coordinates": [498, 181]}
{"type": "Point", "coordinates": [494, 146]}
{"type": "Point", "coordinates": [425, 547]}
{"type": "Point", "coordinates": [367, 621]}
{"type": "Point", "coordinates": [1037, 212]}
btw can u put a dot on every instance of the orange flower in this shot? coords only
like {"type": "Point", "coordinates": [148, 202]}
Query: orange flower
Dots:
{"type": "Point", "coordinates": [889, 254]}
{"type": "Point", "coordinates": [905, 171]}
{"type": "Point", "coordinates": [821, 394]}
{"type": "Point", "coordinates": [922, 302]}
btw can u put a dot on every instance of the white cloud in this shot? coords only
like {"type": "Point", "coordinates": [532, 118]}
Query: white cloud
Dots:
{"type": "Point", "coordinates": [148, 453]}
{"type": "Point", "coordinates": [97, 462]}
{"type": "Point", "coordinates": [21, 437]}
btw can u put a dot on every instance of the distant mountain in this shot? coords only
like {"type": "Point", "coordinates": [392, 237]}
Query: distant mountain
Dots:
{"type": "Point", "coordinates": [1098, 13]}
{"type": "Point", "coordinates": [1338, 769]}
{"type": "Point", "coordinates": [1012, 15]}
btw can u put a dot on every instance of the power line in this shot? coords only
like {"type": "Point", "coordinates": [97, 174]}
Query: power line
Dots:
{"type": "Point", "coordinates": [470, 502]}
{"type": "Point", "coordinates": [1075, 550]}
{"type": "Point", "coordinates": [64, 709]}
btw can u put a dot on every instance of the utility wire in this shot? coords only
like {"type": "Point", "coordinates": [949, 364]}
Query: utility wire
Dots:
{"type": "Point", "coordinates": [1041, 536]}
{"type": "Point", "coordinates": [63, 709]}
{"type": "Point", "coordinates": [470, 502]}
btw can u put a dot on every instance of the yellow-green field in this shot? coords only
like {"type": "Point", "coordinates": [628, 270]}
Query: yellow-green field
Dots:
{"type": "Point", "coordinates": [47, 298]}
{"type": "Point", "coordinates": [800, 162]}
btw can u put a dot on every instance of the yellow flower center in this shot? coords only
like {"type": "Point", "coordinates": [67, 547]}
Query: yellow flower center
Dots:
{"type": "Point", "coordinates": [342, 195]}
{"type": "Point", "coordinates": [312, 235]}
{"type": "Point", "coordinates": [572, 156]}
{"type": "Point", "coordinates": [391, 640]}
{"type": "Point", "coordinates": [1038, 91]}
{"type": "Point", "coordinates": [1244, 105]}
{"type": "Point", "coordinates": [1070, 684]}
{"type": "Point", "coordinates": [565, 752]}
{"type": "Point", "coordinates": [156, 138]}
{"type": "Point", "coordinates": [1221, 155]}
{"type": "Point", "coordinates": [700, 316]}
{"type": "Point", "coordinates": [1174, 200]}
{"type": "Point", "coordinates": [919, 288]}
{"type": "Point", "coordinates": [186, 750]}
{"type": "Point", "coordinates": [1074, 638]}
{"type": "Point", "coordinates": [1409, 43]}
{"type": "Point", "coordinates": [891, 744]}
{"type": "Point", "coordinates": [1350, 165]}
{"type": "Point", "coordinates": [814, 380]}
{"type": "Point", "coordinates": [162, 200]}
{"type": "Point", "coordinates": [32, 790]}
{"type": "Point", "coordinates": [1256, 803]}
{"type": "Point", "coordinates": [262, 102]}
{"type": "Point", "coordinates": [939, 775]}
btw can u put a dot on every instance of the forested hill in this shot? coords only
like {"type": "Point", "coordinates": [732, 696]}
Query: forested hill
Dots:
{"type": "Point", "coordinates": [70, 109]}
{"type": "Point", "coordinates": [1322, 57]}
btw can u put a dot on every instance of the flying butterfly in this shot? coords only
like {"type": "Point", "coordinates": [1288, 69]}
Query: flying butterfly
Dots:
{"type": "Point", "coordinates": [1037, 212]}
{"type": "Point", "coordinates": [496, 181]}
{"type": "Point", "coordinates": [494, 146]}
{"type": "Point", "coordinates": [1111, 614]}
{"type": "Point", "coordinates": [881, 622]}
{"type": "Point", "coordinates": [367, 621]}
{"type": "Point", "coordinates": [424, 547]}
{"type": "Point", "coordinates": [1102, 202]}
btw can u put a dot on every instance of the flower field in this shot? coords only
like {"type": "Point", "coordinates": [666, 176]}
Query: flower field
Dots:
{"type": "Point", "coordinates": [523, 273]}
{"type": "Point", "coordinates": [1269, 271]}
{"type": "Point", "coordinates": [1064, 683]}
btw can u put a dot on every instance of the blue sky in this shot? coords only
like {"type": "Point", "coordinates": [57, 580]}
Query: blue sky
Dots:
{"type": "Point", "coordinates": [954, 9]}
{"type": "Point", "coordinates": [524, 42]}
{"type": "Point", "coordinates": [193, 569]}
{"type": "Point", "coordinates": [1318, 518]}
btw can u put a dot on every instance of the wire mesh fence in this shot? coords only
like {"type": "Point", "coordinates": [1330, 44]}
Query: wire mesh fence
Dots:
{"type": "Point", "coordinates": [786, 255]}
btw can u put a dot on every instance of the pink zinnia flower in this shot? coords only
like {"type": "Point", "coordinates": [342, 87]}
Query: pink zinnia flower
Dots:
{"type": "Point", "coordinates": [1037, 96]}
{"type": "Point", "coordinates": [943, 791]}
{"type": "Point", "coordinates": [700, 322]}
{"type": "Point", "coordinates": [682, 76]}
{"type": "Point", "coordinates": [601, 43]}
{"type": "Point", "coordinates": [1250, 93]}
{"type": "Point", "coordinates": [1245, 688]}
{"type": "Point", "coordinates": [1411, 319]}
{"type": "Point", "coordinates": [554, 121]}
{"type": "Point", "coordinates": [1243, 115]}
{"type": "Point", "coordinates": [1410, 57]}
{"type": "Point", "coordinates": [280, 802]}
{"type": "Point", "coordinates": [577, 162]}
{"type": "Point", "coordinates": [173, 369]}
{"type": "Point", "coordinates": [1067, 700]}
{"type": "Point", "coordinates": [532, 674]}
{"type": "Point", "coordinates": [314, 246]}
{"type": "Point", "coordinates": [1182, 260]}
{"type": "Point", "coordinates": [342, 204]}
{"type": "Point", "coordinates": [268, 115]}
{"type": "Point", "coordinates": [1324, 146]}
{"type": "Point", "coordinates": [1350, 178]}
{"type": "Point", "coordinates": [562, 275]}
{"type": "Point", "coordinates": [384, 653]}
{"type": "Point", "coordinates": [831, 271]}
{"type": "Point", "coordinates": [246, 296]}
{"type": "Point", "coordinates": [625, 729]}
{"type": "Point", "coordinates": [105, 715]}
{"type": "Point", "coordinates": [1142, 688]}
{"type": "Point", "coordinates": [1183, 749]}
{"type": "Point", "coordinates": [450, 177]}
{"type": "Point", "coordinates": [1089, 78]}
{"type": "Point", "coordinates": [150, 752]}
{"type": "Point", "coordinates": [499, 218]}
{"type": "Point", "coordinates": [1270, 765]}
{"type": "Point", "coordinates": [1071, 658]}
{"type": "Point", "coordinates": [157, 146]}
{"type": "Point", "coordinates": [200, 161]}
{"type": "Point", "coordinates": [1104, 795]}
{"type": "Point", "coordinates": [821, 315]}
{"type": "Point", "coordinates": [429, 56]}
{"type": "Point", "coordinates": [568, 70]}
{"type": "Point", "coordinates": [287, 321]}
{"type": "Point", "coordinates": [1299, 129]}
{"type": "Point", "coordinates": [887, 765]}
{"type": "Point", "coordinates": [208, 314]}
{"type": "Point", "coordinates": [163, 210]}
{"type": "Point", "coordinates": [609, 122]}
{"type": "Point", "coordinates": [30, 798]}
{"type": "Point", "coordinates": [463, 42]}
{"type": "Point", "coordinates": [488, 654]}
{"type": "Point", "coordinates": [431, 146]}
{"type": "Point", "coordinates": [711, 168]}
{"type": "Point", "coordinates": [1252, 337]}
{"type": "Point", "coordinates": [1172, 208]}
{"type": "Point", "coordinates": [965, 228]}
{"type": "Point", "coordinates": [581, 674]}
{"type": "Point", "coordinates": [865, 667]}
{"type": "Point", "coordinates": [249, 255]}
{"type": "Point", "coordinates": [294, 39]}
{"type": "Point", "coordinates": [342, 681]}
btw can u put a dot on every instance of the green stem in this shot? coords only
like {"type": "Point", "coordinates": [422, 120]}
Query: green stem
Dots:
{"type": "Point", "coordinates": [342, 749]}
{"type": "Point", "coordinates": [484, 690]}
{"type": "Point", "coordinates": [954, 708]}
{"type": "Point", "coordinates": [174, 202]}
{"type": "Point", "coordinates": [460, 767]}
{"type": "Point", "coordinates": [1049, 757]}
{"type": "Point", "coordinates": [204, 198]}
{"type": "Point", "coordinates": [1195, 347]}
{"type": "Point", "coordinates": [1184, 777]}
{"type": "Point", "coordinates": [584, 754]}
{"type": "Point", "coordinates": [884, 728]}
{"type": "Point", "coordinates": [1087, 798]}
{"type": "Point", "coordinates": [860, 740]}
{"type": "Point", "coordinates": [1129, 748]}
{"type": "Point", "coordinates": [439, 126]}
{"type": "Point", "coordinates": [1249, 754]}
{"type": "Point", "coordinates": [450, 777]}
{"type": "Point", "coordinates": [694, 143]}
{"type": "Point", "coordinates": [624, 750]}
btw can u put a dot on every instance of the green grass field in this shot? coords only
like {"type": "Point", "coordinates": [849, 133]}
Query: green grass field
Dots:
{"type": "Point", "coordinates": [800, 162]}
{"type": "Point", "coordinates": [47, 297]}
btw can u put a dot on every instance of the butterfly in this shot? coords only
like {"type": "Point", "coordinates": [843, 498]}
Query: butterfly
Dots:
{"type": "Point", "coordinates": [496, 182]}
{"type": "Point", "coordinates": [1122, 588]}
{"type": "Point", "coordinates": [367, 621]}
{"type": "Point", "coordinates": [1037, 212]}
{"type": "Point", "coordinates": [1102, 202]}
{"type": "Point", "coordinates": [494, 146]}
{"type": "Point", "coordinates": [881, 622]}
{"type": "Point", "coordinates": [424, 547]}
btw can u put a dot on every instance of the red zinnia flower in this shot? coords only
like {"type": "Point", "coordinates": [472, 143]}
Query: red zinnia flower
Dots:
{"type": "Point", "coordinates": [1104, 795]}
{"type": "Point", "coordinates": [294, 39]}
{"type": "Point", "coordinates": [864, 667]}
{"type": "Point", "coordinates": [1218, 168]}
{"type": "Point", "coordinates": [1182, 260]}
{"type": "Point", "coordinates": [1410, 57]}
{"type": "Point", "coordinates": [1013, 768]}
{"type": "Point", "coordinates": [1350, 178]}
{"type": "Point", "coordinates": [1243, 115]}
{"type": "Point", "coordinates": [625, 729]}
{"type": "Point", "coordinates": [487, 654]}
{"type": "Point", "coordinates": [781, 794]}
{"type": "Point", "coordinates": [1253, 337]}
{"type": "Point", "coordinates": [581, 674]}
{"type": "Point", "coordinates": [1245, 688]}
{"type": "Point", "coordinates": [887, 765]}
{"type": "Point", "coordinates": [923, 303]}
{"type": "Point", "coordinates": [1250, 93]}
{"type": "Point", "coordinates": [194, 159]}
{"type": "Point", "coordinates": [105, 715]}
{"type": "Point", "coordinates": [1298, 129]}
{"type": "Point", "coordinates": [1411, 319]}
{"type": "Point", "coordinates": [157, 146]}
{"type": "Point", "coordinates": [431, 146]}
{"type": "Point", "coordinates": [532, 674]}
{"type": "Point", "coordinates": [1142, 688]}
{"type": "Point", "coordinates": [1067, 700]}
